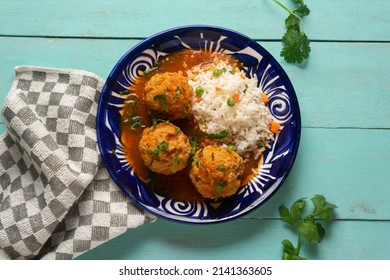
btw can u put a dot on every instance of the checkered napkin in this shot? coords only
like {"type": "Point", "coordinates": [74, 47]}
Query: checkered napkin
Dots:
{"type": "Point", "coordinates": [57, 200]}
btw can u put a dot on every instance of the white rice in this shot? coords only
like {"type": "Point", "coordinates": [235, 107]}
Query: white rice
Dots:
{"type": "Point", "coordinates": [247, 122]}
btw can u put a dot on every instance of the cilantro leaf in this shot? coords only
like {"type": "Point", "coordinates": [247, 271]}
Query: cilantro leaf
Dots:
{"type": "Point", "coordinates": [308, 229]}
{"type": "Point", "coordinates": [322, 208]}
{"type": "Point", "coordinates": [296, 209]}
{"type": "Point", "coordinates": [289, 251]}
{"type": "Point", "coordinates": [286, 216]}
{"type": "Point", "coordinates": [292, 22]}
{"type": "Point", "coordinates": [288, 247]}
{"type": "Point", "coordinates": [292, 215]}
{"type": "Point", "coordinates": [296, 46]}
{"type": "Point", "coordinates": [302, 10]}
{"type": "Point", "coordinates": [321, 230]}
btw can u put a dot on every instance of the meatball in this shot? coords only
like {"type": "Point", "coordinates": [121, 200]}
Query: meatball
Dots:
{"type": "Point", "coordinates": [169, 94]}
{"type": "Point", "coordinates": [164, 148]}
{"type": "Point", "coordinates": [216, 172]}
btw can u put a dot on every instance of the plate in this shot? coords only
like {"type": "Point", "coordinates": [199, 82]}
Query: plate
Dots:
{"type": "Point", "coordinates": [283, 104]}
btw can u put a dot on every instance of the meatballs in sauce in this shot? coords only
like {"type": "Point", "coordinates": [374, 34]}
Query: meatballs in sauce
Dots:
{"type": "Point", "coordinates": [169, 95]}
{"type": "Point", "coordinates": [216, 172]}
{"type": "Point", "coordinates": [164, 148]}
{"type": "Point", "coordinates": [163, 144]}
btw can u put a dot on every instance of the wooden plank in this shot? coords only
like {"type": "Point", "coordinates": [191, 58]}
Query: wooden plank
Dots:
{"type": "Point", "coordinates": [244, 239]}
{"type": "Point", "coordinates": [342, 84]}
{"type": "Point", "coordinates": [351, 20]}
{"type": "Point", "coordinates": [348, 166]}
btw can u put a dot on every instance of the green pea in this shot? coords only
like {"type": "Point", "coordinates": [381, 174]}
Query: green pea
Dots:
{"type": "Point", "coordinates": [231, 102]}
{"type": "Point", "coordinates": [199, 91]}
{"type": "Point", "coordinates": [218, 72]}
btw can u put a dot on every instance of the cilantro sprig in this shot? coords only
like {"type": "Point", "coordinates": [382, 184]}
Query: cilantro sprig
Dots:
{"type": "Point", "coordinates": [309, 227]}
{"type": "Point", "coordinates": [296, 44]}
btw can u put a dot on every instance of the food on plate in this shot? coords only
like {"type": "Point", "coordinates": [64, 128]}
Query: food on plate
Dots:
{"type": "Point", "coordinates": [169, 95]}
{"type": "Point", "coordinates": [164, 148]}
{"type": "Point", "coordinates": [195, 125]}
{"type": "Point", "coordinates": [216, 172]}
{"type": "Point", "coordinates": [231, 105]}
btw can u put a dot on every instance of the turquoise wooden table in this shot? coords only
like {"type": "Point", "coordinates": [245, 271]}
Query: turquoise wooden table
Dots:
{"type": "Point", "coordinates": [344, 95]}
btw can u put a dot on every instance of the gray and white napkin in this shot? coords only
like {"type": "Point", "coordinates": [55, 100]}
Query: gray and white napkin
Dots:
{"type": "Point", "coordinates": [57, 199]}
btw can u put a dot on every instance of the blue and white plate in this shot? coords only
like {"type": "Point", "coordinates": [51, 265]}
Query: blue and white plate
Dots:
{"type": "Point", "coordinates": [283, 104]}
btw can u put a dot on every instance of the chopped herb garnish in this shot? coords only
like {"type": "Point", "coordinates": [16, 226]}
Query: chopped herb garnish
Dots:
{"type": "Point", "coordinates": [246, 88]}
{"type": "Point", "coordinates": [155, 122]}
{"type": "Point", "coordinates": [196, 160]}
{"type": "Point", "coordinates": [160, 147]}
{"type": "Point", "coordinates": [220, 187]}
{"type": "Point", "coordinates": [176, 161]}
{"type": "Point", "coordinates": [134, 122]}
{"type": "Point", "coordinates": [194, 146]}
{"type": "Point", "coordinates": [163, 146]}
{"type": "Point", "coordinates": [186, 109]}
{"type": "Point", "coordinates": [177, 92]}
{"type": "Point", "coordinates": [221, 167]}
{"type": "Point", "coordinates": [163, 100]}
{"type": "Point", "coordinates": [219, 135]}
{"type": "Point", "coordinates": [125, 92]}
{"type": "Point", "coordinates": [147, 71]}
{"type": "Point", "coordinates": [231, 148]}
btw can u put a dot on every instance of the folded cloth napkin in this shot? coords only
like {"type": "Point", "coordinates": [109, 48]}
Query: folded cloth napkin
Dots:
{"type": "Point", "coordinates": [57, 199]}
